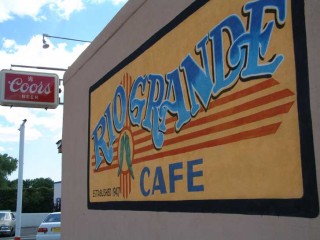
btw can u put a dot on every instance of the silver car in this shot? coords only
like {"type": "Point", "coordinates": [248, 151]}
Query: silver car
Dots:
{"type": "Point", "coordinates": [49, 229]}
{"type": "Point", "coordinates": [7, 223]}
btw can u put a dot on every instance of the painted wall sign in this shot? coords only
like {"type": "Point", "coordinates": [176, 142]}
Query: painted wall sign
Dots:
{"type": "Point", "coordinates": [211, 114]}
{"type": "Point", "coordinates": [29, 89]}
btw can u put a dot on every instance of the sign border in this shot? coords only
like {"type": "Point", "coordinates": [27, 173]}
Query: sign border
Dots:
{"type": "Point", "coordinates": [307, 206]}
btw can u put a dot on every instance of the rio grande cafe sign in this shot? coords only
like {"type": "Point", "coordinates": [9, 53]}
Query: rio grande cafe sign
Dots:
{"type": "Point", "coordinates": [206, 116]}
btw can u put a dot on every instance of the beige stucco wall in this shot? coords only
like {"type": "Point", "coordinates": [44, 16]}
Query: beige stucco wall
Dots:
{"type": "Point", "coordinates": [107, 50]}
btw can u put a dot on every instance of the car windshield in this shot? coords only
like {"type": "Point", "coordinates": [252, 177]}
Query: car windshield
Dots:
{"type": "Point", "coordinates": [54, 217]}
{"type": "Point", "coordinates": [3, 216]}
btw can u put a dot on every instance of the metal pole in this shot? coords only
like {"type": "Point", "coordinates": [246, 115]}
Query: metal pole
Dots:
{"type": "Point", "coordinates": [64, 38]}
{"type": "Point", "coordinates": [38, 67]}
{"type": "Point", "coordinates": [20, 182]}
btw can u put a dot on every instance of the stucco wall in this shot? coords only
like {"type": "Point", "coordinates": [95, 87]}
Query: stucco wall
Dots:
{"type": "Point", "coordinates": [127, 31]}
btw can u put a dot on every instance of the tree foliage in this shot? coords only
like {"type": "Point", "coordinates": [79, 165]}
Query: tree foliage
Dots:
{"type": "Point", "coordinates": [33, 183]}
{"type": "Point", "coordinates": [37, 193]}
{"type": "Point", "coordinates": [7, 166]}
{"type": "Point", "coordinates": [35, 200]}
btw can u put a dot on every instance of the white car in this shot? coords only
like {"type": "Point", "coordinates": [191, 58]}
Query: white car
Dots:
{"type": "Point", "coordinates": [49, 229]}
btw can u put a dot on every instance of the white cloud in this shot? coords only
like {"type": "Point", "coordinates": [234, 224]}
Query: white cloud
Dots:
{"type": "Point", "coordinates": [8, 43]}
{"type": "Point", "coordinates": [114, 2]}
{"type": "Point", "coordinates": [35, 8]}
{"type": "Point", "coordinates": [32, 54]}
{"type": "Point", "coordinates": [117, 2]}
{"type": "Point", "coordinates": [21, 8]}
{"type": "Point", "coordinates": [64, 8]}
{"type": "Point", "coordinates": [49, 119]}
{"type": "Point", "coordinates": [39, 123]}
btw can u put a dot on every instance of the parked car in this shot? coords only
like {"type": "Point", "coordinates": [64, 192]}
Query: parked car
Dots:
{"type": "Point", "coordinates": [7, 223]}
{"type": "Point", "coordinates": [49, 229]}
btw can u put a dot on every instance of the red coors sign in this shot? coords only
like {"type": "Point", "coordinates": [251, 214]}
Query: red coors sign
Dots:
{"type": "Point", "coordinates": [29, 89]}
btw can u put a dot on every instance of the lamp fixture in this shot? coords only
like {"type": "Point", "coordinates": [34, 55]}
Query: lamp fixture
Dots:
{"type": "Point", "coordinates": [46, 45]}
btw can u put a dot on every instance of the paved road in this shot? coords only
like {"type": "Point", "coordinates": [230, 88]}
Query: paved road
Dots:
{"type": "Point", "coordinates": [27, 233]}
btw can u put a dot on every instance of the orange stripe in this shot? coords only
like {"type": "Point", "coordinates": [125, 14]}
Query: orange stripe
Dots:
{"type": "Point", "coordinates": [121, 183]}
{"type": "Point", "coordinates": [241, 108]}
{"type": "Point", "coordinates": [127, 94]}
{"type": "Point", "coordinates": [127, 186]}
{"type": "Point", "coordinates": [223, 100]}
{"type": "Point", "coordinates": [103, 163]}
{"type": "Point", "coordinates": [114, 159]}
{"type": "Point", "coordinates": [225, 126]}
{"type": "Point", "coordinates": [255, 133]}
{"type": "Point", "coordinates": [228, 112]}
{"type": "Point", "coordinates": [258, 132]}
{"type": "Point", "coordinates": [245, 92]}
{"type": "Point", "coordinates": [221, 127]}
{"type": "Point", "coordinates": [124, 185]}
{"type": "Point", "coordinates": [226, 99]}
{"type": "Point", "coordinates": [107, 167]}
{"type": "Point", "coordinates": [129, 183]}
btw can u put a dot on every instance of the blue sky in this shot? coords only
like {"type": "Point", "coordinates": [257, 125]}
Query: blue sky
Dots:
{"type": "Point", "coordinates": [22, 24]}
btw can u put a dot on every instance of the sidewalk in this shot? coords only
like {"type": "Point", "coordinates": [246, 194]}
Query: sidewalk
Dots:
{"type": "Point", "coordinates": [29, 231]}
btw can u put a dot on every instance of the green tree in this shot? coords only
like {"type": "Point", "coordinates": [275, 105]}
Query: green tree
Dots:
{"type": "Point", "coordinates": [32, 183]}
{"type": "Point", "coordinates": [35, 200]}
{"type": "Point", "coordinates": [7, 166]}
{"type": "Point", "coordinates": [41, 183]}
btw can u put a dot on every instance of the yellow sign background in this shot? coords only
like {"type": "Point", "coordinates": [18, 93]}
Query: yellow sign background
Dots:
{"type": "Point", "coordinates": [265, 167]}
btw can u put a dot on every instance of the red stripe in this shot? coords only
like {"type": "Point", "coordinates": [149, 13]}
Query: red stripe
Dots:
{"type": "Point", "coordinates": [228, 112]}
{"type": "Point", "coordinates": [121, 184]}
{"type": "Point", "coordinates": [258, 132]}
{"type": "Point", "coordinates": [264, 130]}
{"type": "Point", "coordinates": [226, 99]}
{"type": "Point", "coordinates": [254, 133]}
{"type": "Point", "coordinates": [218, 128]}
{"type": "Point", "coordinates": [224, 126]}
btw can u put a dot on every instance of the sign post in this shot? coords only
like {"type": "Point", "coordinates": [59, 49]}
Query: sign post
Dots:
{"type": "Point", "coordinates": [20, 182]}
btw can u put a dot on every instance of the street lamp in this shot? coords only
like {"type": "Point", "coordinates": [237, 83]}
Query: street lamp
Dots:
{"type": "Point", "coordinates": [46, 45]}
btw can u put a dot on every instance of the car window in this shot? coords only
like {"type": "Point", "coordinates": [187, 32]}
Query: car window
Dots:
{"type": "Point", "coordinates": [5, 216]}
{"type": "Point", "coordinates": [56, 217]}
{"type": "Point", "coordinates": [12, 216]}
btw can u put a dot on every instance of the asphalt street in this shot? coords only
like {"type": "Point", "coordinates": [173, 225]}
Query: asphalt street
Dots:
{"type": "Point", "coordinates": [27, 233]}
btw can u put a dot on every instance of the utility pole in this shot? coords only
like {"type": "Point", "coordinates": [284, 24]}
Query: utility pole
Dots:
{"type": "Point", "coordinates": [20, 182]}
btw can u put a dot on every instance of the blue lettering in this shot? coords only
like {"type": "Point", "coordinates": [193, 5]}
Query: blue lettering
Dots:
{"type": "Point", "coordinates": [144, 171]}
{"type": "Point", "coordinates": [257, 39]}
{"type": "Point", "coordinates": [155, 98]}
{"type": "Point", "coordinates": [198, 80]}
{"type": "Point", "coordinates": [177, 106]}
{"type": "Point", "coordinates": [172, 176]}
{"type": "Point", "coordinates": [135, 103]}
{"type": "Point", "coordinates": [194, 174]}
{"type": "Point", "coordinates": [99, 141]}
{"type": "Point", "coordinates": [158, 182]}
{"type": "Point", "coordinates": [120, 93]}
{"type": "Point", "coordinates": [234, 28]}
